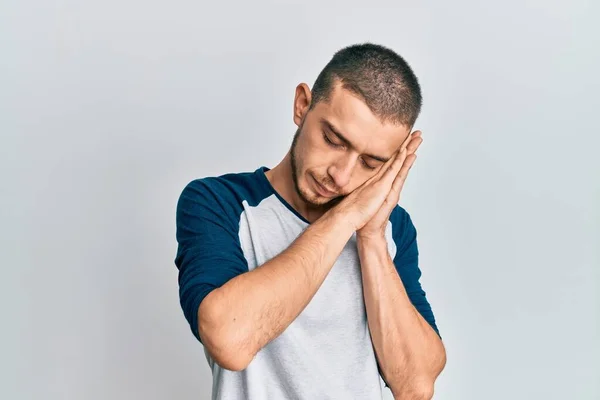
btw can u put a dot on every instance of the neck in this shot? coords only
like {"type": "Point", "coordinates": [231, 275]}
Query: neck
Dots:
{"type": "Point", "coordinates": [281, 178]}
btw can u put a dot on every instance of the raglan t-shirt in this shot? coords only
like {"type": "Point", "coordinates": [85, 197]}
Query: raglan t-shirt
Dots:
{"type": "Point", "coordinates": [231, 224]}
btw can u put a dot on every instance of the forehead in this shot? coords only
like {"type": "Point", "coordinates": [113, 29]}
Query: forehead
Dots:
{"type": "Point", "coordinates": [352, 117]}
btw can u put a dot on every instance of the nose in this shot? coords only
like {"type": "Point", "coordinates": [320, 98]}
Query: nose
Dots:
{"type": "Point", "coordinates": [341, 171]}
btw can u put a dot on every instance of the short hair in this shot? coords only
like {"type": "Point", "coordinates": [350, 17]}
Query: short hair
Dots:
{"type": "Point", "coordinates": [379, 76]}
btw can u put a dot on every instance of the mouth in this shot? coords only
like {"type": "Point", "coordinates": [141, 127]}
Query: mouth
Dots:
{"type": "Point", "coordinates": [322, 190]}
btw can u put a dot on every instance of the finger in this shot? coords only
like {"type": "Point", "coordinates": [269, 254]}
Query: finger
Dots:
{"type": "Point", "coordinates": [403, 174]}
{"type": "Point", "coordinates": [390, 174]}
{"type": "Point", "coordinates": [411, 144]}
{"type": "Point", "coordinates": [410, 137]}
{"type": "Point", "coordinates": [393, 196]}
{"type": "Point", "coordinates": [406, 141]}
{"type": "Point", "coordinates": [386, 166]}
{"type": "Point", "coordinates": [414, 144]}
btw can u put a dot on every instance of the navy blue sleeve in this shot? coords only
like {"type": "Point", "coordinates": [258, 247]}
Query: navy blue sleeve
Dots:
{"type": "Point", "coordinates": [209, 252]}
{"type": "Point", "coordinates": [406, 261]}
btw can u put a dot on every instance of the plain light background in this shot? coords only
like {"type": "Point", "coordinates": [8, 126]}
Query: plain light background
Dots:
{"type": "Point", "coordinates": [108, 108]}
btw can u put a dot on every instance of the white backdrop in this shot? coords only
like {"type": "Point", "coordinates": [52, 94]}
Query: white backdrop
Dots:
{"type": "Point", "coordinates": [108, 108]}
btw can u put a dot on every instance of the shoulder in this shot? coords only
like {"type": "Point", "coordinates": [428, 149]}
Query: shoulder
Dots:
{"type": "Point", "coordinates": [217, 202]}
{"type": "Point", "coordinates": [225, 192]}
{"type": "Point", "coordinates": [222, 187]}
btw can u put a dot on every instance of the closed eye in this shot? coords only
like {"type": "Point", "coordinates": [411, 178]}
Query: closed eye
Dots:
{"type": "Point", "coordinates": [366, 165]}
{"type": "Point", "coordinates": [335, 145]}
{"type": "Point", "coordinates": [330, 142]}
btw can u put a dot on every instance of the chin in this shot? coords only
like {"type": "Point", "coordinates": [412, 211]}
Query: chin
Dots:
{"type": "Point", "coordinates": [311, 197]}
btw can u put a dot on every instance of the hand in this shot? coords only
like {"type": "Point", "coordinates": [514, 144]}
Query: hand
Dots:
{"type": "Point", "coordinates": [366, 201]}
{"type": "Point", "coordinates": [375, 227]}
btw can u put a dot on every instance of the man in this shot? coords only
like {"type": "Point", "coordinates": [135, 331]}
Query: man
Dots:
{"type": "Point", "coordinates": [302, 281]}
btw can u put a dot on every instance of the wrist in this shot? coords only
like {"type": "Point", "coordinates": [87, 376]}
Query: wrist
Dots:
{"type": "Point", "coordinates": [373, 251]}
{"type": "Point", "coordinates": [341, 218]}
{"type": "Point", "coordinates": [371, 240]}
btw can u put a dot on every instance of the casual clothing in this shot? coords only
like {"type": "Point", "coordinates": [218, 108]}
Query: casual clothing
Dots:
{"type": "Point", "coordinates": [231, 224]}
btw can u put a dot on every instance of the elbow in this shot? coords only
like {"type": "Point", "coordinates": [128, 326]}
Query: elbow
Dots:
{"type": "Point", "coordinates": [423, 391]}
{"type": "Point", "coordinates": [223, 341]}
{"type": "Point", "coordinates": [230, 360]}
{"type": "Point", "coordinates": [421, 387]}
{"type": "Point", "coordinates": [440, 361]}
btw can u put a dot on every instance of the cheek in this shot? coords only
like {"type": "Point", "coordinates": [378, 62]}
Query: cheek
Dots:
{"type": "Point", "coordinates": [314, 152]}
{"type": "Point", "coordinates": [358, 178]}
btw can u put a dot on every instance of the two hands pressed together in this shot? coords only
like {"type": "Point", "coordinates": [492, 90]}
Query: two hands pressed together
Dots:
{"type": "Point", "coordinates": [368, 207]}
{"type": "Point", "coordinates": [409, 351]}
{"type": "Point", "coordinates": [239, 318]}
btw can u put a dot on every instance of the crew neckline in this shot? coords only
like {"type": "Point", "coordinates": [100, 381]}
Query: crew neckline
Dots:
{"type": "Point", "coordinates": [263, 177]}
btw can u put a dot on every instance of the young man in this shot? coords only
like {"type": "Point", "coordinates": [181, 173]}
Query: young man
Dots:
{"type": "Point", "coordinates": [302, 281]}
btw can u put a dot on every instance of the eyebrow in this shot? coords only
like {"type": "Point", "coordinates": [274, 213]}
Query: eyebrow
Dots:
{"type": "Point", "coordinates": [347, 142]}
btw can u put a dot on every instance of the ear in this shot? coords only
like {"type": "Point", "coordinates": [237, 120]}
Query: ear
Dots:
{"type": "Point", "coordinates": [302, 101]}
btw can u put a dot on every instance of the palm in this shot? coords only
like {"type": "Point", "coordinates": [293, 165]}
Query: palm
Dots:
{"type": "Point", "coordinates": [377, 224]}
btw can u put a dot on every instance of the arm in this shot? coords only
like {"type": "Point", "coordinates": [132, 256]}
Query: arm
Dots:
{"type": "Point", "coordinates": [239, 318]}
{"type": "Point", "coordinates": [408, 347]}
{"type": "Point", "coordinates": [234, 312]}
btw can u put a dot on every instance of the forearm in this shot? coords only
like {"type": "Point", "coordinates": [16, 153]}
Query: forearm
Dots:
{"type": "Point", "coordinates": [242, 316]}
{"type": "Point", "coordinates": [410, 353]}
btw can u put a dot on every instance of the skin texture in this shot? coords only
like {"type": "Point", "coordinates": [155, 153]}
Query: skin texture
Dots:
{"type": "Point", "coordinates": [341, 168]}
{"type": "Point", "coordinates": [236, 320]}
